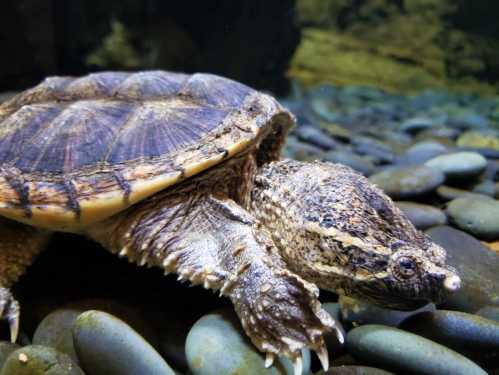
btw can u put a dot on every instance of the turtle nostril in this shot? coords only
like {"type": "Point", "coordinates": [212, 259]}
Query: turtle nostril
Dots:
{"type": "Point", "coordinates": [452, 282]}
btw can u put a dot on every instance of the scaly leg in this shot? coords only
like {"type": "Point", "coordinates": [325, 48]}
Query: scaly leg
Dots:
{"type": "Point", "coordinates": [19, 245]}
{"type": "Point", "coordinates": [214, 242]}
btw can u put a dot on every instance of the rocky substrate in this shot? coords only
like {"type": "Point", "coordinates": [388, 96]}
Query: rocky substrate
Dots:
{"type": "Point", "coordinates": [435, 154]}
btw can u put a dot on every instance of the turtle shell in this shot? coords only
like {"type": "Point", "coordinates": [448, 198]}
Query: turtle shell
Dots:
{"type": "Point", "coordinates": [74, 151]}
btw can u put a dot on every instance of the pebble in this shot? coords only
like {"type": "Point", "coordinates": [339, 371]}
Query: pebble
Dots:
{"type": "Point", "coordinates": [448, 193]}
{"type": "Point", "coordinates": [359, 163]}
{"type": "Point", "coordinates": [489, 312]}
{"type": "Point", "coordinates": [417, 124]}
{"type": "Point", "coordinates": [408, 182]}
{"type": "Point", "coordinates": [108, 346]}
{"type": "Point", "coordinates": [479, 140]}
{"type": "Point", "coordinates": [476, 265]}
{"type": "Point", "coordinates": [39, 360]}
{"type": "Point", "coordinates": [423, 151]}
{"type": "Point", "coordinates": [359, 312]}
{"type": "Point", "coordinates": [6, 348]}
{"type": "Point", "coordinates": [423, 216]}
{"type": "Point", "coordinates": [459, 165]}
{"type": "Point", "coordinates": [217, 345]}
{"type": "Point", "coordinates": [55, 331]}
{"type": "Point", "coordinates": [471, 335]}
{"type": "Point", "coordinates": [354, 370]}
{"type": "Point", "coordinates": [316, 137]}
{"type": "Point", "coordinates": [404, 352]}
{"type": "Point", "coordinates": [476, 215]}
{"type": "Point", "coordinates": [372, 147]}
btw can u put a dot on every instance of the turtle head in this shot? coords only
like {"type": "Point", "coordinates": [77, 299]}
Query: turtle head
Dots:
{"type": "Point", "coordinates": [336, 229]}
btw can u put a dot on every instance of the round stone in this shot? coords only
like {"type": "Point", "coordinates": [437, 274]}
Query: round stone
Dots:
{"type": "Point", "coordinates": [476, 265]}
{"type": "Point", "coordinates": [478, 216]}
{"type": "Point", "coordinates": [359, 312]}
{"type": "Point", "coordinates": [359, 163]}
{"type": "Point", "coordinates": [448, 193]}
{"type": "Point", "coordinates": [459, 165]}
{"type": "Point", "coordinates": [106, 345]}
{"type": "Point", "coordinates": [410, 182]}
{"type": "Point", "coordinates": [468, 334]}
{"type": "Point", "coordinates": [373, 147]}
{"type": "Point", "coordinates": [316, 137]}
{"type": "Point", "coordinates": [423, 151]}
{"type": "Point", "coordinates": [354, 370]}
{"type": "Point", "coordinates": [55, 331]}
{"type": "Point", "coordinates": [416, 124]}
{"type": "Point", "coordinates": [423, 216]}
{"type": "Point", "coordinates": [217, 345]}
{"type": "Point", "coordinates": [39, 360]}
{"type": "Point", "coordinates": [404, 352]}
{"type": "Point", "coordinates": [489, 312]}
{"type": "Point", "coordinates": [5, 349]}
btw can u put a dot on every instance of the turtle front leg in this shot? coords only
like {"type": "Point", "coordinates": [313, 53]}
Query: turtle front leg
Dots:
{"type": "Point", "coordinates": [19, 246]}
{"type": "Point", "coordinates": [214, 242]}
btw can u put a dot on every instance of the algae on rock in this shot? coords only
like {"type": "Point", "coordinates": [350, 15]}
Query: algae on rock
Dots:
{"type": "Point", "coordinates": [402, 46]}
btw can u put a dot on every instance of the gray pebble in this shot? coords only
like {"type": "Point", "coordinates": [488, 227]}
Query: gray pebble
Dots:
{"type": "Point", "coordinates": [359, 163]}
{"type": "Point", "coordinates": [316, 137]}
{"type": "Point", "coordinates": [354, 370]}
{"type": "Point", "coordinates": [476, 215]}
{"type": "Point", "coordinates": [422, 152]}
{"type": "Point", "coordinates": [108, 346]}
{"type": "Point", "coordinates": [410, 182]}
{"type": "Point", "coordinates": [405, 352]}
{"type": "Point", "coordinates": [468, 334]}
{"type": "Point", "coordinates": [217, 345]}
{"type": "Point", "coordinates": [459, 165]}
{"type": "Point", "coordinates": [358, 312]}
{"type": "Point", "coordinates": [423, 216]}
{"type": "Point", "coordinates": [489, 312]}
{"type": "Point", "coordinates": [55, 331]}
{"type": "Point", "coordinates": [448, 193]}
{"type": "Point", "coordinates": [372, 147]}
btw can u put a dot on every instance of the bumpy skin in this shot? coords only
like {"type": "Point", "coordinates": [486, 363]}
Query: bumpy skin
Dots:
{"type": "Point", "coordinates": [336, 229]}
{"type": "Point", "coordinates": [19, 246]}
{"type": "Point", "coordinates": [306, 224]}
{"type": "Point", "coordinates": [208, 239]}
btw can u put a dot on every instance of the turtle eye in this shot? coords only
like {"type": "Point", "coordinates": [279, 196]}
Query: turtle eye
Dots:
{"type": "Point", "coordinates": [405, 268]}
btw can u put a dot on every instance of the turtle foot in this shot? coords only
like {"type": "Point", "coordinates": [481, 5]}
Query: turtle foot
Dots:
{"type": "Point", "coordinates": [283, 316]}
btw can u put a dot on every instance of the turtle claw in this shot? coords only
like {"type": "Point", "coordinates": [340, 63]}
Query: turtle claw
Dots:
{"type": "Point", "coordinates": [269, 359]}
{"type": "Point", "coordinates": [323, 356]}
{"type": "Point", "coordinates": [9, 310]}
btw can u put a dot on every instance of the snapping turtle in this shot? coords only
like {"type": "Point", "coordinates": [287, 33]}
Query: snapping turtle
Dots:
{"type": "Point", "coordinates": [182, 172]}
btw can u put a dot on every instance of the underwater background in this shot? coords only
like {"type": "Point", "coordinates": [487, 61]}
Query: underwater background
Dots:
{"type": "Point", "coordinates": [405, 92]}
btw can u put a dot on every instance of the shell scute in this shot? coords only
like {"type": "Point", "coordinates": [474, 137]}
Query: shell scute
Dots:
{"type": "Point", "coordinates": [86, 148]}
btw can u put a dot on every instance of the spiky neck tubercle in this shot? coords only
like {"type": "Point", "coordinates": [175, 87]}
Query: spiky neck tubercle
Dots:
{"type": "Point", "coordinates": [338, 230]}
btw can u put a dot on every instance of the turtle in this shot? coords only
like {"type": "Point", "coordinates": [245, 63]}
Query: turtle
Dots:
{"type": "Point", "coordinates": [183, 172]}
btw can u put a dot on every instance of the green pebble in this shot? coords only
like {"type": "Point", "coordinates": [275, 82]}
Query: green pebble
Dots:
{"type": "Point", "coordinates": [39, 360]}
{"type": "Point", "coordinates": [108, 346]}
{"type": "Point", "coordinates": [55, 331]}
{"type": "Point", "coordinates": [217, 345]}
{"type": "Point", "coordinates": [6, 348]}
{"type": "Point", "coordinates": [354, 370]}
{"type": "Point", "coordinates": [405, 352]}
{"type": "Point", "coordinates": [478, 216]}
